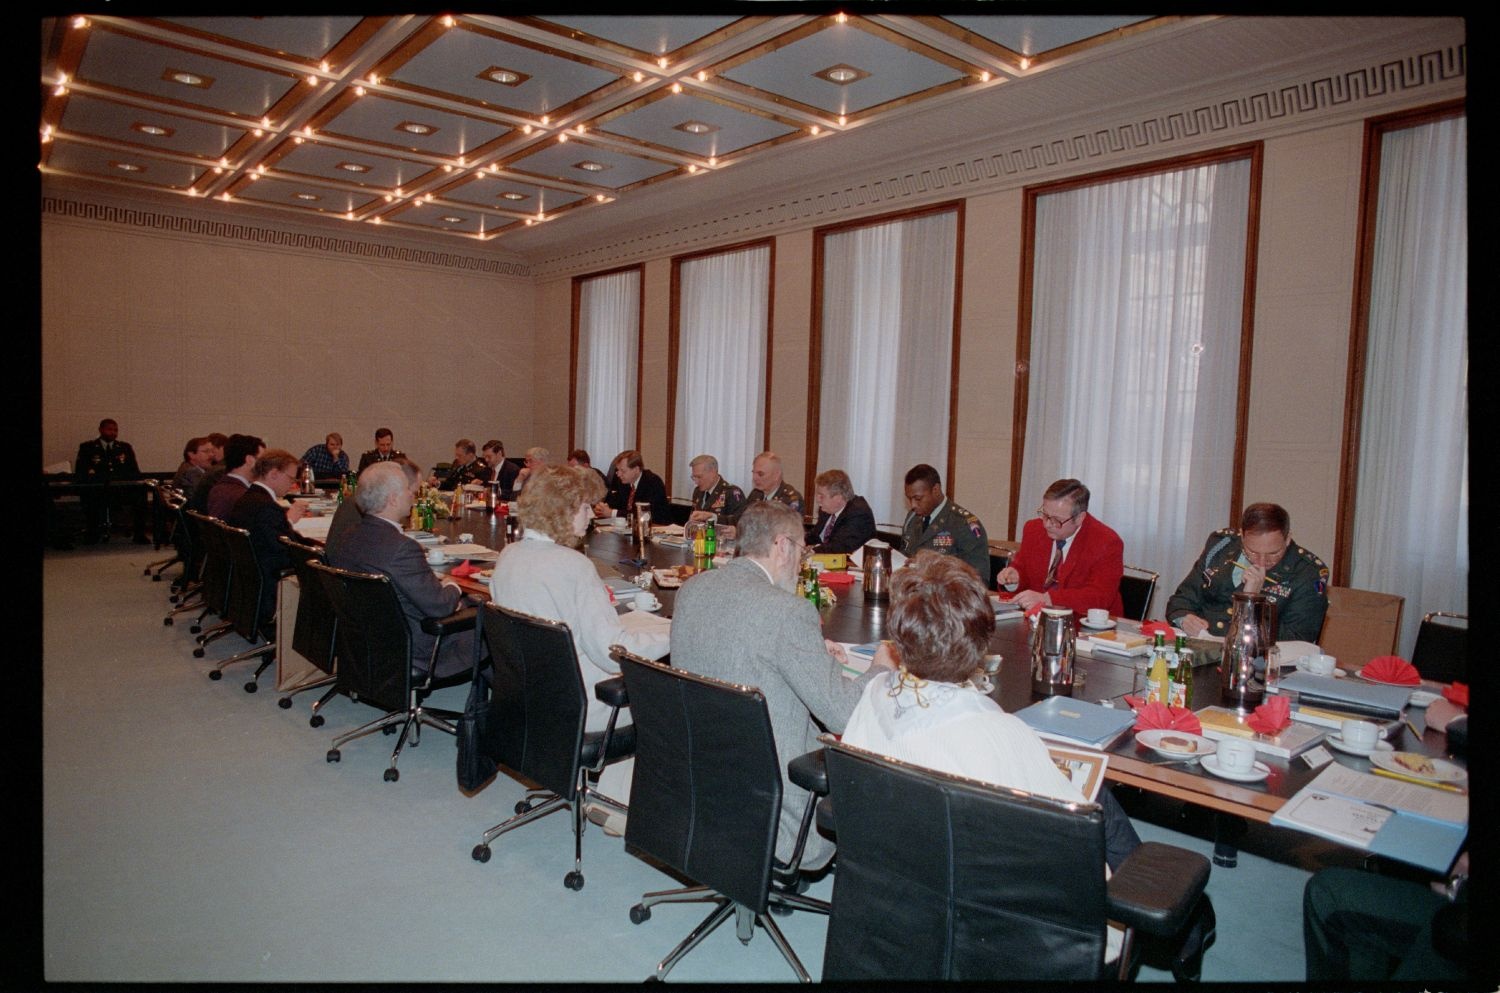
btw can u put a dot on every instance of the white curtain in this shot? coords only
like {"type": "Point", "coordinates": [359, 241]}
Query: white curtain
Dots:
{"type": "Point", "coordinates": [721, 363]}
{"type": "Point", "coordinates": [887, 354]}
{"type": "Point", "coordinates": [1411, 533]}
{"type": "Point", "coordinates": [608, 341]}
{"type": "Point", "coordinates": [1135, 340]}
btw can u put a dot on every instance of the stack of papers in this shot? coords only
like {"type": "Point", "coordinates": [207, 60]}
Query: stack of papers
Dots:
{"type": "Point", "coordinates": [313, 527]}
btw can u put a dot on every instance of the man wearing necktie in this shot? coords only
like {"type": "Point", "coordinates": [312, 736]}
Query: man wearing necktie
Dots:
{"type": "Point", "coordinates": [845, 521]}
{"type": "Point", "coordinates": [106, 460]}
{"type": "Point", "coordinates": [938, 523]}
{"type": "Point", "coordinates": [1067, 558]}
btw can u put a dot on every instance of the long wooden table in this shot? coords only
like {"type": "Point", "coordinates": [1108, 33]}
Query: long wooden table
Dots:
{"type": "Point", "coordinates": [853, 619]}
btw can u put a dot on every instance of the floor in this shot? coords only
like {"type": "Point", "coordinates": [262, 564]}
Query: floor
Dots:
{"type": "Point", "coordinates": [194, 832]}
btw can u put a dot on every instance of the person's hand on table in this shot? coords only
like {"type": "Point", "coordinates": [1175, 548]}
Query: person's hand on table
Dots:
{"type": "Point", "coordinates": [836, 651]}
{"type": "Point", "coordinates": [602, 509]}
{"type": "Point", "coordinates": [1030, 598]}
{"type": "Point", "coordinates": [1009, 576]}
{"type": "Point", "coordinates": [700, 515]}
{"type": "Point", "coordinates": [296, 511]}
{"type": "Point", "coordinates": [1192, 624]}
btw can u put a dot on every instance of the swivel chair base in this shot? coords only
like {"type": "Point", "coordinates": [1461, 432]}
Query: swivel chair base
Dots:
{"type": "Point", "coordinates": [411, 721]}
{"type": "Point", "coordinates": [744, 919]}
{"type": "Point", "coordinates": [540, 803]}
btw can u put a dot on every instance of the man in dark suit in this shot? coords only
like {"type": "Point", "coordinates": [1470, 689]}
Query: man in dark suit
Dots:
{"type": "Point", "coordinates": [845, 521]}
{"type": "Point", "coordinates": [377, 544]}
{"type": "Point", "coordinates": [106, 460]}
{"type": "Point", "coordinates": [467, 467]}
{"type": "Point", "coordinates": [240, 456]}
{"type": "Point", "coordinates": [502, 470]}
{"type": "Point", "coordinates": [384, 450]}
{"type": "Point", "coordinates": [634, 484]}
{"type": "Point", "coordinates": [579, 457]}
{"type": "Point", "coordinates": [1067, 558]}
{"type": "Point", "coordinates": [259, 511]}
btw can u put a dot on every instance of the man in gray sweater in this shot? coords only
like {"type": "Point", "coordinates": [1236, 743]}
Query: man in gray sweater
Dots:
{"type": "Point", "coordinates": [744, 624]}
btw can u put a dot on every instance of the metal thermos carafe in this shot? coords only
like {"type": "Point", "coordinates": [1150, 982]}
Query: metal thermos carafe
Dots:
{"type": "Point", "coordinates": [642, 524]}
{"type": "Point", "coordinates": [308, 486]}
{"type": "Point", "coordinates": [877, 581]}
{"type": "Point", "coordinates": [1052, 652]}
{"type": "Point", "coordinates": [1252, 630]}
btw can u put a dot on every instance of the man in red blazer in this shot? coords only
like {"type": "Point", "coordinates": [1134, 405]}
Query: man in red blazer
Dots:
{"type": "Point", "coordinates": [1067, 558]}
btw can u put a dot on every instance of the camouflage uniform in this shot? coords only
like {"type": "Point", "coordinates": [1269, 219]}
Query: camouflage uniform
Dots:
{"type": "Point", "coordinates": [1297, 585]}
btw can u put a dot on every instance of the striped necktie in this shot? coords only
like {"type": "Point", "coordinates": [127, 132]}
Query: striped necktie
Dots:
{"type": "Point", "coordinates": [1057, 557]}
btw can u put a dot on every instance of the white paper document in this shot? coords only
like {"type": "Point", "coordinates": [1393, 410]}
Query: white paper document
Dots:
{"type": "Point", "coordinates": [313, 527]}
{"type": "Point", "coordinates": [1334, 817]}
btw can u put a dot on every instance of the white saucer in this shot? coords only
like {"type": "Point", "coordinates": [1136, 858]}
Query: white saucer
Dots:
{"type": "Point", "coordinates": [1108, 625]}
{"type": "Point", "coordinates": [647, 610]}
{"type": "Point", "coordinates": [1337, 672]}
{"type": "Point", "coordinates": [1257, 772]}
{"type": "Point", "coordinates": [1337, 741]}
{"type": "Point", "coordinates": [1421, 698]}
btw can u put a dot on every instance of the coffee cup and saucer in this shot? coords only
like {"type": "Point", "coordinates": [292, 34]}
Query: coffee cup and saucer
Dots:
{"type": "Point", "coordinates": [1360, 738]}
{"type": "Point", "coordinates": [1235, 759]}
{"type": "Point", "coordinates": [1097, 619]}
{"type": "Point", "coordinates": [645, 600]}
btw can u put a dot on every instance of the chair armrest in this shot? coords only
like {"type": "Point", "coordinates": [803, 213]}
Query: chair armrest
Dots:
{"type": "Point", "coordinates": [459, 620]}
{"type": "Point", "coordinates": [810, 771]}
{"type": "Point", "coordinates": [1156, 888]}
{"type": "Point", "coordinates": [611, 692]}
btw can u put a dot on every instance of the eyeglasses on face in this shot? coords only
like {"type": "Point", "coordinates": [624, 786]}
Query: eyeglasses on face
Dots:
{"type": "Point", "coordinates": [1056, 522]}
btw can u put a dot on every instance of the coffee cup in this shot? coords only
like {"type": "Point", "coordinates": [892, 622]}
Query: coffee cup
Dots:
{"type": "Point", "coordinates": [466, 537]}
{"type": "Point", "coordinates": [1098, 617]}
{"type": "Point", "coordinates": [646, 600]}
{"type": "Point", "coordinates": [435, 556]}
{"type": "Point", "coordinates": [1236, 755]}
{"type": "Point", "coordinates": [1318, 665]}
{"type": "Point", "coordinates": [1359, 734]}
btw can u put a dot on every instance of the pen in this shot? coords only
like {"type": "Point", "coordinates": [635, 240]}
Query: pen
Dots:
{"type": "Point", "coordinates": [1419, 782]}
{"type": "Point", "coordinates": [1408, 723]}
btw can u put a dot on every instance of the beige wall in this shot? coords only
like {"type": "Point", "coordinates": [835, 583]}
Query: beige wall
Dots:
{"type": "Point", "coordinates": [174, 336]}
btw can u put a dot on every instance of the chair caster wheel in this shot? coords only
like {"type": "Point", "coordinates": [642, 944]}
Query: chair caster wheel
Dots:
{"type": "Point", "coordinates": [640, 914]}
{"type": "Point", "coordinates": [391, 775]}
{"type": "Point", "coordinates": [481, 853]}
{"type": "Point", "coordinates": [522, 806]}
{"type": "Point", "coordinates": [388, 729]}
{"type": "Point", "coordinates": [333, 755]}
{"type": "Point", "coordinates": [781, 910]}
{"type": "Point", "coordinates": [154, 579]}
{"type": "Point", "coordinates": [573, 880]}
{"type": "Point", "coordinates": [285, 703]}
{"type": "Point", "coordinates": [166, 622]}
{"type": "Point", "coordinates": [216, 675]}
{"type": "Point", "coordinates": [195, 629]}
{"type": "Point", "coordinates": [251, 687]}
{"type": "Point", "coordinates": [315, 721]}
{"type": "Point", "coordinates": [198, 654]}
{"type": "Point", "coordinates": [653, 979]}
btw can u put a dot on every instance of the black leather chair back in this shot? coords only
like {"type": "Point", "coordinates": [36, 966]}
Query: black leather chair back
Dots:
{"type": "Point", "coordinates": [706, 792]}
{"type": "Point", "coordinates": [188, 541]}
{"type": "Point", "coordinates": [374, 643]}
{"type": "Point", "coordinates": [317, 623]}
{"type": "Point", "coordinates": [216, 570]}
{"type": "Point", "coordinates": [537, 700]}
{"type": "Point", "coordinates": [1442, 649]}
{"type": "Point", "coordinates": [945, 878]}
{"type": "Point", "coordinates": [1135, 594]}
{"type": "Point", "coordinates": [244, 586]}
{"type": "Point", "coordinates": [678, 512]}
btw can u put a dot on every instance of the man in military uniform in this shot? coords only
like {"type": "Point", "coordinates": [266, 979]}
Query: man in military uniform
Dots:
{"type": "Point", "coordinates": [384, 450]}
{"type": "Point", "coordinates": [938, 523]}
{"type": "Point", "coordinates": [106, 460]}
{"type": "Point", "coordinates": [765, 477]}
{"type": "Point", "coordinates": [467, 467]}
{"type": "Point", "coordinates": [1257, 557]}
{"type": "Point", "coordinates": [714, 497]}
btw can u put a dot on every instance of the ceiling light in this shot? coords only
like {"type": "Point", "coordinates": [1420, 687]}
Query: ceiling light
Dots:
{"type": "Point", "coordinates": [352, 167]}
{"type": "Point", "coordinates": [257, 132]}
{"type": "Point", "coordinates": [218, 170]}
{"type": "Point", "coordinates": [461, 160]}
{"type": "Point", "coordinates": [447, 20]}
{"type": "Point", "coordinates": [374, 79]}
{"type": "Point", "coordinates": [312, 80]}
{"type": "Point", "coordinates": [399, 192]}
{"type": "Point", "coordinates": [428, 198]}
{"type": "Point", "coordinates": [349, 215]}
{"type": "Point", "coordinates": [504, 76]}
{"type": "Point", "coordinates": [696, 127]}
{"type": "Point", "coordinates": [676, 87]}
{"type": "Point", "coordinates": [188, 78]}
{"type": "Point", "coordinates": [447, 168]}
{"type": "Point", "coordinates": [389, 198]}
{"type": "Point", "coordinates": [1025, 63]}
{"type": "Point", "coordinates": [224, 196]}
{"type": "Point", "coordinates": [128, 166]}
{"type": "Point", "coordinates": [702, 76]}
{"type": "Point", "coordinates": [512, 195]}
{"type": "Point", "coordinates": [841, 17]}
{"type": "Point", "coordinates": [528, 222]}
{"type": "Point", "coordinates": [692, 168]}
{"type": "Point", "coordinates": [842, 74]}
{"type": "Point", "coordinates": [255, 175]}
{"type": "Point", "coordinates": [638, 76]}
{"type": "Point", "coordinates": [541, 216]}
{"type": "Point", "coordinates": [154, 130]}
{"type": "Point", "coordinates": [307, 130]}
{"type": "Point", "coordinates": [297, 139]}
{"type": "Point", "coordinates": [599, 197]}
{"type": "Point", "coordinates": [359, 91]}
{"type": "Point", "coordinates": [662, 61]}
{"type": "Point", "coordinates": [984, 77]}
{"type": "Point", "coordinates": [374, 220]}
{"type": "Point", "coordinates": [80, 22]}
{"type": "Point", "coordinates": [526, 129]}
{"type": "Point", "coordinates": [562, 137]}
{"type": "Point", "coordinates": [580, 129]}
{"type": "Point", "coordinates": [545, 120]}
{"type": "Point", "coordinates": [323, 65]}
{"type": "Point", "coordinates": [415, 127]}
{"type": "Point", "coordinates": [815, 129]}
{"type": "Point", "coordinates": [308, 196]}
{"type": "Point", "coordinates": [843, 120]}
{"type": "Point", "coordinates": [713, 160]}
{"type": "Point", "coordinates": [451, 219]}
{"type": "Point", "coordinates": [224, 163]}
{"type": "Point", "coordinates": [60, 90]}
{"type": "Point", "coordinates": [590, 166]}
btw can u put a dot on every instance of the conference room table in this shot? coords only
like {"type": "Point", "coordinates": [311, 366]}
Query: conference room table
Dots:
{"type": "Point", "coordinates": [1105, 679]}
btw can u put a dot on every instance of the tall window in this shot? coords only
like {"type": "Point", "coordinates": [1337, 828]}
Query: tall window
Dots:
{"type": "Point", "coordinates": [1411, 499]}
{"type": "Point", "coordinates": [721, 341]}
{"type": "Point", "coordinates": [1137, 299]}
{"type": "Point", "coordinates": [606, 371]}
{"type": "Point", "coordinates": [887, 353]}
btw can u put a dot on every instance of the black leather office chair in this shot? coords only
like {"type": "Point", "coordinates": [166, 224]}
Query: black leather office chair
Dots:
{"type": "Point", "coordinates": [375, 659]}
{"type": "Point", "coordinates": [706, 801]}
{"type": "Point", "coordinates": [1442, 649]}
{"type": "Point", "coordinates": [537, 712]}
{"type": "Point", "coordinates": [187, 589]}
{"type": "Point", "coordinates": [678, 511]}
{"type": "Point", "coordinates": [942, 877]}
{"type": "Point", "coordinates": [170, 499]}
{"type": "Point", "coordinates": [245, 605]}
{"type": "Point", "coordinates": [1137, 586]}
{"type": "Point", "coordinates": [315, 633]}
{"type": "Point", "coordinates": [216, 582]}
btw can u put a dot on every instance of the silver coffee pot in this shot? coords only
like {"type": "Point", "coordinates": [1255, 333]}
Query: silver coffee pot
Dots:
{"type": "Point", "coordinates": [877, 579]}
{"type": "Point", "coordinates": [1052, 640]}
{"type": "Point", "coordinates": [1242, 667]}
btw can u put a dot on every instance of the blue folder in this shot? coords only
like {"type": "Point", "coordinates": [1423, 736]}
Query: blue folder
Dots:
{"type": "Point", "coordinates": [1078, 720]}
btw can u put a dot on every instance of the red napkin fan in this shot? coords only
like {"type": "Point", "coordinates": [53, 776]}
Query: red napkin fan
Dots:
{"type": "Point", "coordinates": [1391, 669]}
{"type": "Point", "coordinates": [1457, 693]}
{"type": "Point", "coordinates": [1033, 611]}
{"type": "Point", "coordinates": [463, 569]}
{"type": "Point", "coordinates": [1157, 716]}
{"type": "Point", "coordinates": [1150, 628]}
{"type": "Point", "coordinates": [1271, 716]}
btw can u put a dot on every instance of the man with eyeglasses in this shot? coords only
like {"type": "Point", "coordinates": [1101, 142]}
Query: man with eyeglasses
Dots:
{"type": "Point", "coordinates": [1067, 557]}
{"type": "Point", "coordinates": [1257, 557]}
{"type": "Point", "coordinates": [933, 521]}
{"type": "Point", "coordinates": [745, 624]}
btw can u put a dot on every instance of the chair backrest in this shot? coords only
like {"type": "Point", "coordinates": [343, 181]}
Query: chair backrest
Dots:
{"type": "Point", "coordinates": [678, 511]}
{"type": "Point", "coordinates": [1360, 624]}
{"type": "Point", "coordinates": [1137, 587]}
{"type": "Point", "coordinates": [245, 586]}
{"type": "Point", "coordinates": [216, 570]}
{"type": "Point", "coordinates": [537, 700]}
{"type": "Point", "coordinates": [374, 643]}
{"type": "Point", "coordinates": [941, 877]}
{"type": "Point", "coordinates": [706, 793]}
{"type": "Point", "coordinates": [187, 540]}
{"type": "Point", "coordinates": [316, 629]}
{"type": "Point", "coordinates": [1442, 649]}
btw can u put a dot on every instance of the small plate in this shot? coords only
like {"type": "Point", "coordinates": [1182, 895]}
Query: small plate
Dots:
{"type": "Point", "coordinates": [1421, 698]}
{"type": "Point", "coordinates": [1421, 767]}
{"type": "Point", "coordinates": [1257, 772]}
{"type": "Point", "coordinates": [646, 610]}
{"type": "Point", "coordinates": [1337, 741]}
{"type": "Point", "coordinates": [1107, 626]}
{"type": "Point", "coordinates": [1196, 746]}
{"type": "Point", "coordinates": [1337, 672]}
{"type": "Point", "coordinates": [1384, 682]}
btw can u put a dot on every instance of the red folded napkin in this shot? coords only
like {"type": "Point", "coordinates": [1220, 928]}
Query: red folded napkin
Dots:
{"type": "Point", "coordinates": [463, 569]}
{"type": "Point", "coordinates": [1457, 693]}
{"type": "Point", "coordinates": [1271, 716]}
{"type": "Point", "coordinates": [1391, 669]}
{"type": "Point", "coordinates": [1154, 716]}
{"type": "Point", "coordinates": [1150, 628]}
{"type": "Point", "coordinates": [1034, 610]}
{"type": "Point", "coordinates": [836, 578]}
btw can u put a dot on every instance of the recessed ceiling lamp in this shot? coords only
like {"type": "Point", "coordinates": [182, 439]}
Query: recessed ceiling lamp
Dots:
{"type": "Point", "coordinates": [842, 75]}
{"type": "Point", "coordinates": [154, 130]}
{"type": "Point", "coordinates": [451, 219]}
{"type": "Point", "coordinates": [416, 127]}
{"type": "Point", "coordinates": [128, 166]}
{"type": "Point", "coordinates": [188, 78]}
{"type": "Point", "coordinates": [310, 197]}
{"type": "Point", "coordinates": [590, 166]}
{"type": "Point", "coordinates": [696, 127]}
{"type": "Point", "coordinates": [504, 76]}
{"type": "Point", "coordinates": [512, 195]}
{"type": "Point", "coordinates": [352, 167]}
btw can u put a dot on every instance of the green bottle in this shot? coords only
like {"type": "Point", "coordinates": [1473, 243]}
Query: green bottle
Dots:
{"type": "Point", "coordinates": [710, 542]}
